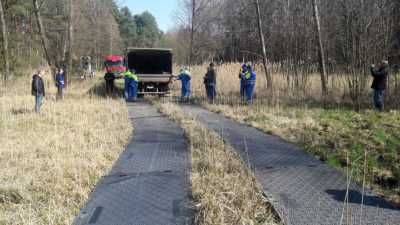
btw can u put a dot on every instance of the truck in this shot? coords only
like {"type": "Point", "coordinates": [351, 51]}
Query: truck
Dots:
{"type": "Point", "coordinates": [153, 67]}
{"type": "Point", "coordinates": [114, 64]}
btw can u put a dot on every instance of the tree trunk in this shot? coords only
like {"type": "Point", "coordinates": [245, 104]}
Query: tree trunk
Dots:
{"type": "Point", "coordinates": [192, 32]}
{"type": "Point", "coordinates": [111, 38]}
{"type": "Point", "coordinates": [41, 32]}
{"type": "Point", "coordinates": [264, 52]}
{"type": "Point", "coordinates": [70, 39]}
{"type": "Point", "coordinates": [5, 43]}
{"type": "Point", "coordinates": [321, 54]}
{"type": "Point", "coordinates": [65, 50]}
{"type": "Point", "coordinates": [396, 32]}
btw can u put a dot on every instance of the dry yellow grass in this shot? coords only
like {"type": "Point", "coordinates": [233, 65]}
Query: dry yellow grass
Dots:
{"type": "Point", "coordinates": [228, 82]}
{"type": "Point", "coordinates": [273, 120]}
{"type": "Point", "coordinates": [294, 87]}
{"type": "Point", "coordinates": [225, 191]}
{"type": "Point", "coordinates": [51, 162]}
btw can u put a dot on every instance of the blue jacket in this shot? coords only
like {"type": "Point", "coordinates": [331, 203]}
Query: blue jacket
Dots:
{"type": "Point", "coordinates": [184, 78]}
{"type": "Point", "coordinates": [60, 80]}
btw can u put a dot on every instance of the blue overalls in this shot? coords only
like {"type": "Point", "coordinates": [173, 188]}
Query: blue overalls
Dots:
{"type": "Point", "coordinates": [250, 76]}
{"type": "Point", "coordinates": [185, 78]}
{"type": "Point", "coordinates": [131, 86]}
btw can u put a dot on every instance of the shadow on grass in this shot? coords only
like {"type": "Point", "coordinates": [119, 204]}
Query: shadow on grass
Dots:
{"type": "Point", "coordinates": [10, 196]}
{"type": "Point", "coordinates": [17, 112]}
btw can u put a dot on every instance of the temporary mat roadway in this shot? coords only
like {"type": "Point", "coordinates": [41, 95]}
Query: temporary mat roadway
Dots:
{"type": "Point", "coordinates": [149, 184]}
{"type": "Point", "coordinates": [302, 189]}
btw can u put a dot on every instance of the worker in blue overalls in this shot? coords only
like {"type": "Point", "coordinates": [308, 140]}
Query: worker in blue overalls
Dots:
{"type": "Point", "coordinates": [184, 77]}
{"type": "Point", "coordinates": [131, 85]}
{"type": "Point", "coordinates": [250, 77]}
{"type": "Point", "coordinates": [242, 81]}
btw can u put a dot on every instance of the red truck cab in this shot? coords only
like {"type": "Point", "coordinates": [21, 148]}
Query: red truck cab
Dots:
{"type": "Point", "coordinates": [114, 64]}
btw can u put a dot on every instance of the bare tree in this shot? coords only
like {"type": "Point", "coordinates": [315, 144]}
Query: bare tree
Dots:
{"type": "Point", "coordinates": [70, 37]}
{"type": "Point", "coordinates": [264, 52]}
{"type": "Point", "coordinates": [321, 53]}
{"type": "Point", "coordinates": [5, 43]}
{"type": "Point", "coordinates": [193, 19]}
{"type": "Point", "coordinates": [41, 31]}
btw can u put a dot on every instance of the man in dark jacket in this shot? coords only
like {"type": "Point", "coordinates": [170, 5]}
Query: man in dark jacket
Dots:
{"type": "Point", "coordinates": [242, 78]}
{"type": "Point", "coordinates": [109, 77]}
{"type": "Point", "coordinates": [379, 84]}
{"type": "Point", "coordinates": [38, 90]}
{"type": "Point", "coordinates": [210, 82]}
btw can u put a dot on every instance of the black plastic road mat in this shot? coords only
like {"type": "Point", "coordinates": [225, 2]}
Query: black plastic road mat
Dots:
{"type": "Point", "coordinates": [303, 190]}
{"type": "Point", "coordinates": [149, 184]}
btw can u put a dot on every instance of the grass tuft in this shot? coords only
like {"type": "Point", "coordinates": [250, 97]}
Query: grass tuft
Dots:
{"type": "Point", "coordinates": [10, 196]}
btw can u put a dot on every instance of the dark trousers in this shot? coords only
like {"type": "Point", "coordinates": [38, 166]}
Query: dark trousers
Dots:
{"type": "Point", "coordinates": [60, 93]}
{"type": "Point", "coordinates": [211, 92]}
{"type": "Point", "coordinates": [379, 99]}
{"type": "Point", "coordinates": [109, 86]}
{"type": "Point", "coordinates": [242, 88]}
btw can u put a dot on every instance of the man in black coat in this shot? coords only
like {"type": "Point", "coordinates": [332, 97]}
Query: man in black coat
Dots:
{"type": "Point", "coordinates": [210, 82]}
{"type": "Point", "coordinates": [379, 84]}
{"type": "Point", "coordinates": [109, 78]}
{"type": "Point", "coordinates": [38, 89]}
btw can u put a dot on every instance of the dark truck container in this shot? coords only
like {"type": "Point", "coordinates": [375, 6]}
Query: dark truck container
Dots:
{"type": "Point", "coordinates": [153, 67]}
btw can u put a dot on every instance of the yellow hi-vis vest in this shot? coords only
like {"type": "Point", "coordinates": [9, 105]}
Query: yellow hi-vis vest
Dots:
{"type": "Point", "coordinates": [247, 75]}
{"type": "Point", "coordinates": [129, 74]}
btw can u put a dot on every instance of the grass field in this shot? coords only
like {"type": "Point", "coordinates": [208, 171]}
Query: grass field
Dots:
{"type": "Point", "coordinates": [300, 87]}
{"type": "Point", "coordinates": [51, 161]}
{"type": "Point", "coordinates": [224, 189]}
{"type": "Point", "coordinates": [336, 134]}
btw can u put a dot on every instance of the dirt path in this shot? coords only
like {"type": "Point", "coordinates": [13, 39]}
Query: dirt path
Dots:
{"type": "Point", "coordinates": [302, 189]}
{"type": "Point", "coordinates": [149, 184]}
